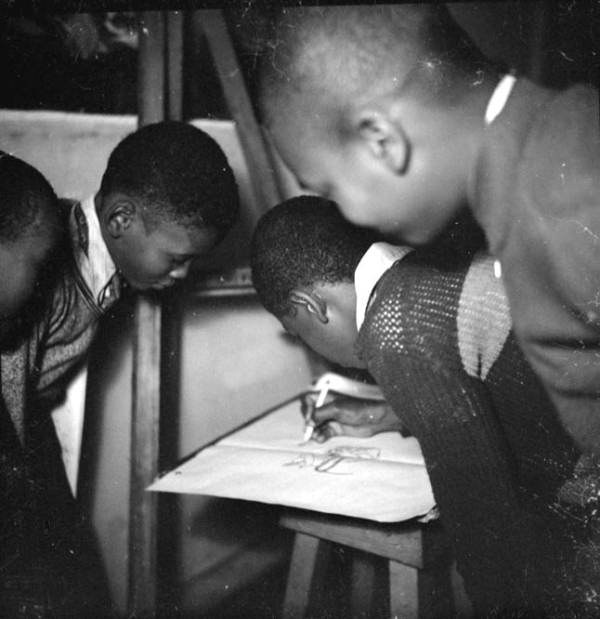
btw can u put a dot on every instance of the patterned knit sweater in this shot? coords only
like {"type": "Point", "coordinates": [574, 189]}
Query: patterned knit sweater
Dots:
{"type": "Point", "coordinates": [48, 563]}
{"type": "Point", "coordinates": [34, 376]}
{"type": "Point", "coordinates": [437, 340]}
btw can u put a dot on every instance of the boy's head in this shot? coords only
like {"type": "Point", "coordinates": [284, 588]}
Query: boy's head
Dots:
{"type": "Point", "coordinates": [379, 108]}
{"type": "Point", "coordinates": [31, 240]}
{"type": "Point", "coordinates": [303, 258]}
{"type": "Point", "coordinates": [168, 195]}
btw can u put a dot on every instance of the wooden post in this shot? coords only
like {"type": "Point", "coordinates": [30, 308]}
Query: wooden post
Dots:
{"type": "Point", "coordinates": [145, 405]}
{"type": "Point", "coordinates": [234, 89]}
{"type": "Point", "coordinates": [168, 548]}
{"type": "Point", "coordinates": [175, 64]}
{"type": "Point", "coordinates": [538, 38]}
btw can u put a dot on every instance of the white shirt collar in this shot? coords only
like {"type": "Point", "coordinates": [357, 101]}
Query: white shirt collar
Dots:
{"type": "Point", "coordinates": [376, 261]}
{"type": "Point", "coordinates": [499, 98]}
{"type": "Point", "coordinates": [91, 254]}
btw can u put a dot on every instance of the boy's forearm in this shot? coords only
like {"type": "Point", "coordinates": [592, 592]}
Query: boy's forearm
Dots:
{"type": "Point", "coordinates": [471, 475]}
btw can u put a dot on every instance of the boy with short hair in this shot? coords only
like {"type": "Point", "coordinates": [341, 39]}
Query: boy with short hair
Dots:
{"type": "Point", "coordinates": [434, 331]}
{"type": "Point", "coordinates": [32, 254]}
{"type": "Point", "coordinates": [31, 240]}
{"type": "Point", "coordinates": [168, 195]}
{"type": "Point", "coordinates": [394, 113]}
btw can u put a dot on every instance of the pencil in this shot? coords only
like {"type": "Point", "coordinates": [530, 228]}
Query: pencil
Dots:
{"type": "Point", "coordinates": [309, 422]}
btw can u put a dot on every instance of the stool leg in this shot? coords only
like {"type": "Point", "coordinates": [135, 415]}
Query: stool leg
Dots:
{"type": "Point", "coordinates": [420, 594]}
{"type": "Point", "coordinates": [435, 593]}
{"type": "Point", "coordinates": [366, 574]}
{"type": "Point", "coordinates": [404, 591]}
{"type": "Point", "coordinates": [307, 567]}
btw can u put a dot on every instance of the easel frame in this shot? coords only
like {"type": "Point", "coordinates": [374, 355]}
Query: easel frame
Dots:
{"type": "Point", "coordinates": [160, 96]}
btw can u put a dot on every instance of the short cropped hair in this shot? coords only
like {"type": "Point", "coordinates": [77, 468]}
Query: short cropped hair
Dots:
{"type": "Point", "coordinates": [28, 203]}
{"type": "Point", "coordinates": [341, 53]}
{"type": "Point", "coordinates": [178, 172]}
{"type": "Point", "coordinates": [302, 242]}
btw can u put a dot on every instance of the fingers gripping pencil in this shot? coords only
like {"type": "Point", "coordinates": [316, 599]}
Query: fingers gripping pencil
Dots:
{"type": "Point", "coordinates": [336, 383]}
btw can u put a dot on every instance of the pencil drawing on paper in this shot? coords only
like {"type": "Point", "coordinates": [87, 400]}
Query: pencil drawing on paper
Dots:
{"type": "Point", "coordinates": [327, 462]}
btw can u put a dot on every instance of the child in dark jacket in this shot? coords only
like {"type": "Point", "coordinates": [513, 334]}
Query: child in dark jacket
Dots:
{"type": "Point", "coordinates": [394, 113]}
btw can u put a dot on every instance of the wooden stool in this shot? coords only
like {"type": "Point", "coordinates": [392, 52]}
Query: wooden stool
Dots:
{"type": "Point", "coordinates": [416, 555]}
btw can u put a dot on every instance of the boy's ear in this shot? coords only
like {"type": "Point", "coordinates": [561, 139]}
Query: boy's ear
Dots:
{"type": "Point", "coordinates": [119, 216]}
{"type": "Point", "coordinates": [312, 302]}
{"type": "Point", "coordinates": [385, 138]}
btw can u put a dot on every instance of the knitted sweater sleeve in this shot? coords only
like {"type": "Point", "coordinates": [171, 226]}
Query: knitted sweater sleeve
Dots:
{"type": "Point", "coordinates": [409, 344]}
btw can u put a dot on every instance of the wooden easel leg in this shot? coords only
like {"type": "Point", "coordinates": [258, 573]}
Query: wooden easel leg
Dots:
{"type": "Point", "coordinates": [307, 568]}
{"type": "Point", "coordinates": [404, 591]}
{"type": "Point", "coordinates": [422, 594]}
{"type": "Point", "coordinates": [435, 593]}
{"type": "Point", "coordinates": [366, 572]}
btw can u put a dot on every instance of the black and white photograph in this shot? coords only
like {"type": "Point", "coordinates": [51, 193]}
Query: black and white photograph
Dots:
{"type": "Point", "coordinates": [299, 309]}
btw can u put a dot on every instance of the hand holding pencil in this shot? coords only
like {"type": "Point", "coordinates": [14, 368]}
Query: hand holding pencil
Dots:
{"type": "Point", "coordinates": [352, 409]}
{"type": "Point", "coordinates": [347, 416]}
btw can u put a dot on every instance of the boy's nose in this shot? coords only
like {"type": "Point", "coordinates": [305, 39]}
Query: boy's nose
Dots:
{"type": "Point", "coordinates": [180, 272]}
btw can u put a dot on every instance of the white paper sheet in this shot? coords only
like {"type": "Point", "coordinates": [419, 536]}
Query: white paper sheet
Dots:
{"type": "Point", "coordinates": [382, 478]}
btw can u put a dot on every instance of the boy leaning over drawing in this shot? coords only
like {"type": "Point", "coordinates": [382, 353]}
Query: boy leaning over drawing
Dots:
{"type": "Point", "coordinates": [434, 331]}
{"type": "Point", "coordinates": [31, 254]}
{"type": "Point", "coordinates": [394, 113]}
{"type": "Point", "coordinates": [167, 196]}
{"type": "Point", "coordinates": [31, 245]}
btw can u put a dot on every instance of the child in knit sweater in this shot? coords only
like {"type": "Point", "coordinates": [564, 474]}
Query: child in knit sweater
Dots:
{"type": "Point", "coordinates": [434, 331]}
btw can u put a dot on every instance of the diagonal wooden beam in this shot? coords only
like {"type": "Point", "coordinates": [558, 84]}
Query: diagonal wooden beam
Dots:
{"type": "Point", "coordinates": [262, 174]}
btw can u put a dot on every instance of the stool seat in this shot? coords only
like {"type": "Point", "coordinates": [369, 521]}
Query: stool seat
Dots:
{"type": "Point", "coordinates": [416, 557]}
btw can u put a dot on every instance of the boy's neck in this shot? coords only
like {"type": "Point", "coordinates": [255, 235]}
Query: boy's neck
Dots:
{"type": "Point", "coordinates": [470, 119]}
{"type": "Point", "coordinates": [479, 105]}
{"type": "Point", "coordinates": [444, 131]}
